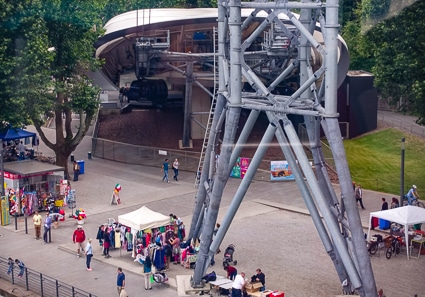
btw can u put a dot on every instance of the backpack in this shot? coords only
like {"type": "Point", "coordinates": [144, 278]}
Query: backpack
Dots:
{"type": "Point", "coordinates": [210, 277]}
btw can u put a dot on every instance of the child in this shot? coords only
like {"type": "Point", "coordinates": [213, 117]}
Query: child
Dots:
{"type": "Point", "coordinates": [21, 266]}
{"type": "Point", "coordinates": [10, 263]}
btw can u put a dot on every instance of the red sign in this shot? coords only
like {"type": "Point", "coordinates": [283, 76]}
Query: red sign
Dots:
{"type": "Point", "coordinates": [18, 176]}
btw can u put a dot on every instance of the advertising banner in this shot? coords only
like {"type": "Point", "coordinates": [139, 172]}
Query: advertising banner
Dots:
{"type": "Point", "coordinates": [280, 170]}
{"type": "Point", "coordinates": [244, 164]}
{"type": "Point", "coordinates": [236, 170]}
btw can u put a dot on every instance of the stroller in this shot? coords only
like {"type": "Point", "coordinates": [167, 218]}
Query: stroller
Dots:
{"type": "Point", "coordinates": [228, 256]}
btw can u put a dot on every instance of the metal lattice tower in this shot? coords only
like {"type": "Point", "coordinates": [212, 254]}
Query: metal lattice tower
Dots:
{"type": "Point", "coordinates": [315, 100]}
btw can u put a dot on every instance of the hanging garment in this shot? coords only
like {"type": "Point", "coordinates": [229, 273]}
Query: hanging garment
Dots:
{"type": "Point", "coordinates": [117, 238]}
{"type": "Point", "coordinates": [159, 259]}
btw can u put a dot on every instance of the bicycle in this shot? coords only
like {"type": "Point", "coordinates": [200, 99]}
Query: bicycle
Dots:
{"type": "Point", "coordinates": [373, 244]}
{"type": "Point", "coordinates": [393, 246]}
{"type": "Point", "coordinates": [415, 202]}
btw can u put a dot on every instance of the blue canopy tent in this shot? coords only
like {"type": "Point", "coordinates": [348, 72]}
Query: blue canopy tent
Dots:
{"type": "Point", "coordinates": [15, 133]}
{"type": "Point", "coordinates": [6, 135]}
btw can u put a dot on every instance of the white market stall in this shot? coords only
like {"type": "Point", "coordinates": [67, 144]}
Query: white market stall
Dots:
{"type": "Point", "coordinates": [142, 219]}
{"type": "Point", "coordinates": [406, 216]}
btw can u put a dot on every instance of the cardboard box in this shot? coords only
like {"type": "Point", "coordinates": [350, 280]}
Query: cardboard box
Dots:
{"type": "Point", "coordinates": [266, 293]}
{"type": "Point", "coordinates": [253, 287]}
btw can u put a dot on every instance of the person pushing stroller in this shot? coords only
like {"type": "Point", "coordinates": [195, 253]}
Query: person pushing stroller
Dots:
{"type": "Point", "coordinates": [228, 256]}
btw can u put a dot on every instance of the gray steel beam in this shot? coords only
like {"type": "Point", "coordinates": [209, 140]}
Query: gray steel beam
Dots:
{"type": "Point", "coordinates": [187, 105]}
{"type": "Point", "coordinates": [232, 120]}
{"type": "Point", "coordinates": [242, 189]}
{"type": "Point", "coordinates": [342, 237]}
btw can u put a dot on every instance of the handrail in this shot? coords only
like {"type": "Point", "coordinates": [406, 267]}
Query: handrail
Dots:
{"type": "Point", "coordinates": [39, 283]}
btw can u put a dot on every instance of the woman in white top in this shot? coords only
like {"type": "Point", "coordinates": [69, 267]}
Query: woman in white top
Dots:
{"type": "Point", "coordinates": [89, 254]}
{"type": "Point", "coordinates": [176, 165]}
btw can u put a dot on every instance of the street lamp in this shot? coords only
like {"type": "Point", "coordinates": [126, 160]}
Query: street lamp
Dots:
{"type": "Point", "coordinates": [402, 172]}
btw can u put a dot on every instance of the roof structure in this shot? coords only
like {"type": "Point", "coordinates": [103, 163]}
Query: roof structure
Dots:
{"type": "Point", "coordinates": [28, 167]}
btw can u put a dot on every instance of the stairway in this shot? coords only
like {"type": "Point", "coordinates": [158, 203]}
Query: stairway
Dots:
{"type": "Point", "coordinates": [211, 113]}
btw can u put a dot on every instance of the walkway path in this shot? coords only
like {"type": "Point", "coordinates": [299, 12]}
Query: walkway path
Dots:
{"type": "Point", "coordinates": [270, 231]}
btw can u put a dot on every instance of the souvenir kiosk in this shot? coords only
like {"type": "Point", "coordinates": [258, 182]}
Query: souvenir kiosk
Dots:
{"type": "Point", "coordinates": [32, 185]}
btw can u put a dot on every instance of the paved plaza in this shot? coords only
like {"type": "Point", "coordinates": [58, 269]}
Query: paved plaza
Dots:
{"type": "Point", "coordinates": [271, 231]}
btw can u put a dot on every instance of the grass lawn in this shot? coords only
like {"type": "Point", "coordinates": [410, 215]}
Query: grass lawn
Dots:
{"type": "Point", "coordinates": [375, 161]}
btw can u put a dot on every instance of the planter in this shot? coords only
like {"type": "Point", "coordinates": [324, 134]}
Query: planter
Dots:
{"type": "Point", "coordinates": [80, 222]}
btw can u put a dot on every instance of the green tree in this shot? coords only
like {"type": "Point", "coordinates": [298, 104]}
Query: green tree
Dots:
{"type": "Point", "coordinates": [9, 110]}
{"type": "Point", "coordinates": [360, 56]}
{"type": "Point", "coordinates": [398, 46]}
{"type": "Point", "coordinates": [51, 49]}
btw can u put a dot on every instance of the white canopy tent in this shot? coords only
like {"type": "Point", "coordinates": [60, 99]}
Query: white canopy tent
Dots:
{"type": "Point", "coordinates": [142, 219]}
{"type": "Point", "coordinates": [406, 215]}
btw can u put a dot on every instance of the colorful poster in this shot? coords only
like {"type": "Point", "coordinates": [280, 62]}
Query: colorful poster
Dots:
{"type": "Point", "coordinates": [236, 170]}
{"type": "Point", "coordinates": [244, 164]}
{"type": "Point", "coordinates": [280, 170]}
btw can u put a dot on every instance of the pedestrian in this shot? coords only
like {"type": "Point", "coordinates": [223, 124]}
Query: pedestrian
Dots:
{"type": "Point", "coordinates": [37, 220]}
{"type": "Point", "coordinates": [21, 148]}
{"type": "Point", "coordinates": [47, 225]}
{"type": "Point", "coordinates": [99, 235]}
{"type": "Point", "coordinates": [238, 285]}
{"type": "Point", "coordinates": [120, 281]}
{"type": "Point", "coordinates": [76, 169]}
{"type": "Point", "coordinates": [147, 269]}
{"type": "Point", "coordinates": [10, 264]}
{"type": "Point", "coordinates": [359, 195]}
{"type": "Point", "coordinates": [395, 203]}
{"type": "Point", "coordinates": [176, 165]}
{"type": "Point", "coordinates": [231, 271]}
{"type": "Point", "coordinates": [384, 204]}
{"type": "Point", "coordinates": [175, 243]}
{"type": "Point", "coordinates": [381, 293]}
{"type": "Point", "coordinates": [89, 254]}
{"type": "Point", "coordinates": [78, 237]}
{"type": "Point", "coordinates": [165, 170]}
{"type": "Point", "coordinates": [259, 277]}
{"type": "Point", "coordinates": [21, 266]}
{"type": "Point", "coordinates": [106, 243]}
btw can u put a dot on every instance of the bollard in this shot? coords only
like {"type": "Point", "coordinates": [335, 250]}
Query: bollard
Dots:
{"type": "Point", "coordinates": [72, 158]}
{"type": "Point", "coordinates": [26, 224]}
{"type": "Point", "coordinates": [16, 221]}
{"type": "Point", "coordinates": [50, 235]}
{"type": "Point", "coordinates": [89, 155]}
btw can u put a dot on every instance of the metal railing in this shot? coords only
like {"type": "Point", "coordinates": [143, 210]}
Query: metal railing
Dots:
{"type": "Point", "coordinates": [38, 283]}
{"type": "Point", "coordinates": [153, 156]}
{"type": "Point", "coordinates": [142, 155]}
{"type": "Point", "coordinates": [403, 125]}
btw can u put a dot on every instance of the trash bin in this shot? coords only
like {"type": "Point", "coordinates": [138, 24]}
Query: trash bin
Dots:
{"type": "Point", "coordinates": [384, 224]}
{"type": "Point", "coordinates": [72, 158]}
{"type": "Point", "coordinates": [81, 163]}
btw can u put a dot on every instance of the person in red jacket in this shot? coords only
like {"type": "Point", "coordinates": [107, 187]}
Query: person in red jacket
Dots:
{"type": "Point", "coordinates": [231, 271]}
{"type": "Point", "coordinates": [78, 238]}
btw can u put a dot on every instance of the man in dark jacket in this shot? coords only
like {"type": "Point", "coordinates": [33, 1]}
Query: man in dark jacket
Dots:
{"type": "Point", "coordinates": [384, 204]}
{"type": "Point", "coordinates": [259, 277]}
